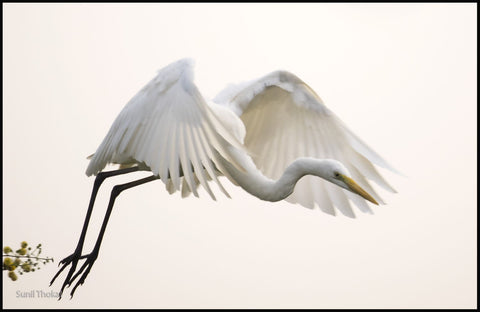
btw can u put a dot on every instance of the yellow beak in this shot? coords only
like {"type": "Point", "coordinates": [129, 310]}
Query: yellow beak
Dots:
{"type": "Point", "coordinates": [355, 188]}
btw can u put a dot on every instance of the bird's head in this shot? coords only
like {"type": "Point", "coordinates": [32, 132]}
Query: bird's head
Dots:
{"type": "Point", "coordinates": [336, 173]}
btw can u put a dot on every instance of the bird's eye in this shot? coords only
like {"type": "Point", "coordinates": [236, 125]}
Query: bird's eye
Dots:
{"type": "Point", "coordinates": [337, 175]}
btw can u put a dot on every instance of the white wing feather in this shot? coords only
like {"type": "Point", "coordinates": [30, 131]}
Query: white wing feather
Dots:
{"type": "Point", "coordinates": [285, 119]}
{"type": "Point", "coordinates": [167, 127]}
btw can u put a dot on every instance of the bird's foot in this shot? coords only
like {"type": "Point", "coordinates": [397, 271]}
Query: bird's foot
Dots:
{"type": "Point", "coordinates": [71, 277]}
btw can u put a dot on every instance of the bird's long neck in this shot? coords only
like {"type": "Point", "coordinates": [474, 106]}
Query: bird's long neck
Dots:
{"type": "Point", "coordinates": [255, 183]}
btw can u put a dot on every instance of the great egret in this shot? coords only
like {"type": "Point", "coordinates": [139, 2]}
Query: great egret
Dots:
{"type": "Point", "coordinates": [263, 135]}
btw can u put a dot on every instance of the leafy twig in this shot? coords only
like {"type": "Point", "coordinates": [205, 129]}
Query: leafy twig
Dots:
{"type": "Point", "coordinates": [22, 266]}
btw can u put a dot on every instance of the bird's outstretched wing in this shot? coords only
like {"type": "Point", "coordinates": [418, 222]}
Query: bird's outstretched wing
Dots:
{"type": "Point", "coordinates": [285, 119]}
{"type": "Point", "coordinates": [168, 128]}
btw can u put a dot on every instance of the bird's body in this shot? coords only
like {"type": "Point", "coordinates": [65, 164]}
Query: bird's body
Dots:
{"type": "Point", "coordinates": [261, 127]}
{"type": "Point", "coordinates": [273, 136]}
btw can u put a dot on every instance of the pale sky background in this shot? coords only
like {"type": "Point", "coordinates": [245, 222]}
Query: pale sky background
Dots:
{"type": "Point", "coordinates": [402, 76]}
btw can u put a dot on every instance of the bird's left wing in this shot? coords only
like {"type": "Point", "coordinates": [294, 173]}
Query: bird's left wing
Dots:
{"type": "Point", "coordinates": [168, 128]}
{"type": "Point", "coordinates": [284, 120]}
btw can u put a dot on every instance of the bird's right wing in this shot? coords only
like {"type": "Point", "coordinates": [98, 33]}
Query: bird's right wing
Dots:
{"type": "Point", "coordinates": [284, 120]}
{"type": "Point", "coordinates": [169, 128]}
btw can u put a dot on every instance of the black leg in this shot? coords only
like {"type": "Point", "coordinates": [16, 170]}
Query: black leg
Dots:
{"type": "Point", "coordinates": [73, 259]}
{"type": "Point", "coordinates": [90, 259]}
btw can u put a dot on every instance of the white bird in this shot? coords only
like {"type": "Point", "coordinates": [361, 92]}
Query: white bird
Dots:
{"type": "Point", "coordinates": [274, 137]}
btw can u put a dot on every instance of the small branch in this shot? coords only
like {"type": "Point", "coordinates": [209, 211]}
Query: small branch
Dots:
{"type": "Point", "coordinates": [29, 257]}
